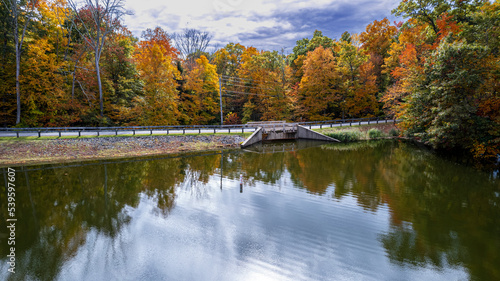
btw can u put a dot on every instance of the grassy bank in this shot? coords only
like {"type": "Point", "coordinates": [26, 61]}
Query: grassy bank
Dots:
{"type": "Point", "coordinates": [363, 132]}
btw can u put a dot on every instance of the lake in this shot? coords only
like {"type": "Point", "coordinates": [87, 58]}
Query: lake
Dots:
{"type": "Point", "coordinates": [384, 210]}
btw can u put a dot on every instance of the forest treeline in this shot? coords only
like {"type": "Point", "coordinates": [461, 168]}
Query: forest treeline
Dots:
{"type": "Point", "coordinates": [64, 64]}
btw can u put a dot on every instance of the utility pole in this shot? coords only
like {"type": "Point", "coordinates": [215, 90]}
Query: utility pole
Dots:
{"type": "Point", "coordinates": [220, 99]}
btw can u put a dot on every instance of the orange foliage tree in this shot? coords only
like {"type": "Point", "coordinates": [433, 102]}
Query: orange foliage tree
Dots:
{"type": "Point", "coordinates": [154, 58]}
{"type": "Point", "coordinates": [320, 87]}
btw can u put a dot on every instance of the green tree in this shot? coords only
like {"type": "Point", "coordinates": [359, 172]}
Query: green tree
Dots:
{"type": "Point", "coordinates": [444, 109]}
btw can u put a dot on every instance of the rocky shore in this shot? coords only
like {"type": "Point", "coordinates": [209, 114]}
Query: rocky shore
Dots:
{"type": "Point", "coordinates": [77, 149]}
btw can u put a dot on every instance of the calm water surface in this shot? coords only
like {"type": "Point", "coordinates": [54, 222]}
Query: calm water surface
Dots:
{"type": "Point", "coordinates": [366, 211]}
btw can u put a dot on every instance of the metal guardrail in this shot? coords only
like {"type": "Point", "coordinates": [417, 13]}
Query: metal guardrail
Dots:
{"type": "Point", "coordinates": [184, 129]}
{"type": "Point", "coordinates": [350, 121]}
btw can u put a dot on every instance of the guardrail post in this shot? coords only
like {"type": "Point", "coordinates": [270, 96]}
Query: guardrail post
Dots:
{"type": "Point", "coordinates": [168, 131]}
{"type": "Point", "coordinates": [360, 122]}
{"type": "Point", "coordinates": [150, 132]}
{"type": "Point", "coordinates": [214, 130]}
{"type": "Point", "coordinates": [17, 133]}
{"type": "Point", "coordinates": [79, 133]}
{"type": "Point", "coordinates": [369, 121]}
{"type": "Point", "coordinates": [242, 130]}
{"type": "Point", "coordinates": [98, 132]}
{"type": "Point", "coordinates": [133, 130]}
{"type": "Point", "coordinates": [183, 131]}
{"type": "Point", "coordinates": [116, 132]}
{"type": "Point", "coordinates": [59, 133]}
{"type": "Point", "coordinates": [38, 133]}
{"type": "Point", "coordinates": [229, 130]}
{"type": "Point", "coordinates": [199, 130]}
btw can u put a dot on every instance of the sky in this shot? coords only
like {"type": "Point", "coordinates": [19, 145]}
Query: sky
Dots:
{"type": "Point", "coordinates": [264, 24]}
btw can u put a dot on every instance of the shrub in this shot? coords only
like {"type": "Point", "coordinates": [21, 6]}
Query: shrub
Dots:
{"type": "Point", "coordinates": [393, 132]}
{"type": "Point", "coordinates": [375, 133]}
{"type": "Point", "coordinates": [346, 136]}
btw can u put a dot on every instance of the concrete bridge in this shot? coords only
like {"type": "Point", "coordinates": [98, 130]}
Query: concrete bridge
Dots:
{"type": "Point", "coordinates": [280, 130]}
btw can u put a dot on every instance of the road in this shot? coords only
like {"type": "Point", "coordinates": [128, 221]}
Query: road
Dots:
{"type": "Point", "coordinates": [143, 132]}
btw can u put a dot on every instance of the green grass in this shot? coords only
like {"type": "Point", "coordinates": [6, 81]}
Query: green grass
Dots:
{"type": "Point", "coordinates": [347, 135]}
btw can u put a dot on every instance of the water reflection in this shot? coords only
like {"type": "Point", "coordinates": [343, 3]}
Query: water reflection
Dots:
{"type": "Point", "coordinates": [426, 216]}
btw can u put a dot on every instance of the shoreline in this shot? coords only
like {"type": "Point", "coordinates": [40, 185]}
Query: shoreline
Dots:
{"type": "Point", "coordinates": [67, 150]}
{"type": "Point", "coordinates": [53, 150]}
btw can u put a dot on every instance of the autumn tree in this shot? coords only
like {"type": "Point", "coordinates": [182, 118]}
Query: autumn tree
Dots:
{"type": "Point", "coordinates": [21, 14]}
{"type": "Point", "coordinates": [228, 59]}
{"type": "Point", "coordinates": [404, 63]}
{"type": "Point", "coordinates": [264, 98]}
{"type": "Point", "coordinates": [376, 41]}
{"type": "Point", "coordinates": [154, 58]}
{"type": "Point", "coordinates": [320, 89]}
{"type": "Point", "coordinates": [46, 101]}
{"type": "Point", "coordinates": [120, 76]}
{"type": "Point", "coordinates": [302, 47]}
{"type": "Point", "coordinates": [98, 19]}
{"type": "Point", "coordinates": [200, 100]}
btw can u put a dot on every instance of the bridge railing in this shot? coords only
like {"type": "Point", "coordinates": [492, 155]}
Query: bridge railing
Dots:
{"type": "Point", "coordinates": [350, 121]}
{"type": "Point", "coordinates": [178, 129]}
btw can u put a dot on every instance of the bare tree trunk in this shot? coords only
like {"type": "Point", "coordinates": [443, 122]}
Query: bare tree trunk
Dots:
{"type": "Point", "coordinates": [18, 42]}
{"type": "Point", "coordinates": [18, 90]}
{"type": "Point", "coordinates": [73, 84]}
{"type": "Point", "coordinates": [99, 84]}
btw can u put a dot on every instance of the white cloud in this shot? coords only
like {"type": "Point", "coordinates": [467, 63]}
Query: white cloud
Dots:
{"type": "Point", "coordinates": [232, 20]}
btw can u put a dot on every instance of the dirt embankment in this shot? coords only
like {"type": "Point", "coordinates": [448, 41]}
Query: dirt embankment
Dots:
{"type": "Point", "coordinates": [17, 152]}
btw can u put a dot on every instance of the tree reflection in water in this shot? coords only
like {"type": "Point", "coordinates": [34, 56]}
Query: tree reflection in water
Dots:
{"type": "Point", "coordinates": [441, 213]}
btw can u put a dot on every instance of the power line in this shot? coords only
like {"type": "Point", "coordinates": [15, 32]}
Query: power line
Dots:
{"type": "Point", "coordinates": [246, 79]}
{"type": "Point", "coordinates": [243, 93]}
{"type": "Point", "coordinates": [250, 87]}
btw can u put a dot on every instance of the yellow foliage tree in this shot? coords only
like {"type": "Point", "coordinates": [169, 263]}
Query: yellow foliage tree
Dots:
{"type": "Point", "coordinates": [159, 105]}
{"type": "Point", "coordinates": [200, 101]}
